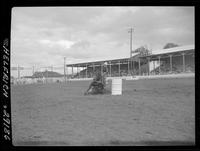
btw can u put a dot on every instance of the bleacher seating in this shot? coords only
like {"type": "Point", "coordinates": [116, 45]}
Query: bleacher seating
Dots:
{"type": "Point", "coordinates": [177, 67]}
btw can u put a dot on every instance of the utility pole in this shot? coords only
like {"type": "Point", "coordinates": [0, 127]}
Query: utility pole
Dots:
{"type": "Point", "coordinates": [64, 70]}
{"type": "Point", "coordinates": [131, 37]}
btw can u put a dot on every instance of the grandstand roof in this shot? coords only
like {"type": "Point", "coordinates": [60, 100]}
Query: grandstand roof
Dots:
{"type": "Point", "coordinates": [98, 62]}
{"type": "Point", "coordinates": [172, 50]}
{"type": "Point", "coordinates": [154, 53]}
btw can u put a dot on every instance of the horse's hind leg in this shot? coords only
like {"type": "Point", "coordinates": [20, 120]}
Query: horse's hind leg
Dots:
{"type": "Point", "coordinates": [89, 91]}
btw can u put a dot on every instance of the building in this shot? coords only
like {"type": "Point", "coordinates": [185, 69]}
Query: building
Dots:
{"type": "Point", "coordinates": [165, 61]}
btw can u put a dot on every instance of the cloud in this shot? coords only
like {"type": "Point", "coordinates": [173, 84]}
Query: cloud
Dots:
{"type": "Point", "coordinates": [44, 36]}
{"type": "Point", "coordinates": [59, 43]}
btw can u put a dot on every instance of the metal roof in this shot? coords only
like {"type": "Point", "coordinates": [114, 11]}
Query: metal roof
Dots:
{"type": "Point", "coordinates": [172, 50]}
{"type": "Point", "coordinates": [98, 62]}
{"type": "Point", "coordinates": [154, 53]}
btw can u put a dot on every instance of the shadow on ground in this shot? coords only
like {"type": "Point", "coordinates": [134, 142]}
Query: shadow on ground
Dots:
{"type": "Point", "coordinates": [151, 143]}
{"type": "Point", "coordinates": [109, 143]}
{"type": "Point", "coordinates": [41, 143]}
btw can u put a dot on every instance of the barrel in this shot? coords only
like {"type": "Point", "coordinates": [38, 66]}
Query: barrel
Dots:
{"type": "Point", "coordinates": [116, 86]}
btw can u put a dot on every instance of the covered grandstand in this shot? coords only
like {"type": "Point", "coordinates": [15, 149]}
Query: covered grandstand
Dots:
{"type": "Point", "coordinates": [174, 61]}
{"type": "Point", "coordinates": [165, 61]}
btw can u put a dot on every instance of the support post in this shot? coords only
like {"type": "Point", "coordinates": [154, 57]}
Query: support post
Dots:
{"type": "Point", "coordinates": [86, 71]}
{"type": "Point", "coordinates": [171, 63]}
{"type": "Point", "coordinates": [148, 65]}
{"type": "Point", "coordinates": [133, 67]}
{"type": "Point", "coordinates": [110, 69]}
{"type": "Point", "coordinates": [139, 67]}
{"type": "Point", "coordinates": [154, 68]}
{"type": "Point", "coordinates": [128, 66]}
{"type": "Point", "coordinates": [106, 68]}
{"type": "Point", "coordinates": [101, 69]}
{"type": "Point", "coordinates": [119, 69]}
{"type": "Point", "coordinates": [183, 54]}
{"type": "Point", "coordinates": [93, 69]}
{"type": "Point", "coordinates": [78, 72]}
{"type": "Point", "coordinates": [159, 65]}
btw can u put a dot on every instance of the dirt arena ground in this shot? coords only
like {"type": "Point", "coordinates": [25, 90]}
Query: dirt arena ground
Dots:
{"type": "Point", "coordinates": [150, 112]}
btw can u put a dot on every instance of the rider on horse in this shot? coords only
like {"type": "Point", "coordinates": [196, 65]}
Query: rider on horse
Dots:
{"type": "Point", "coordinates": [98, 84]}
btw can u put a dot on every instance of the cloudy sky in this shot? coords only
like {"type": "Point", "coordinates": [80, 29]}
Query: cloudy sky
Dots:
{"type": "Point", "coordinates": [42, 36]}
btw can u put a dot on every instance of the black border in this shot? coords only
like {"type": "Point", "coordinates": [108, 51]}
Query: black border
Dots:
{"type": "Point", "coordinates": [6, 9]}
